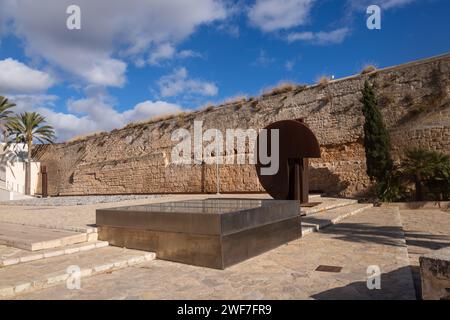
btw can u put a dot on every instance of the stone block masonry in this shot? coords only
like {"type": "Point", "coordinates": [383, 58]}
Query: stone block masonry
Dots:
{"type": "Point", "coordinates": [414, 99]}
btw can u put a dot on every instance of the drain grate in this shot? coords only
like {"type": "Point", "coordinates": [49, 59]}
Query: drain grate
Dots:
{"type": "Point", "coordinates": [333, 269]}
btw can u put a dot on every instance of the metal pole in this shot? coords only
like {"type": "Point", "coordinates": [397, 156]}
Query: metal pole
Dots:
{"type": "Point", "coordinates": [217, 173]}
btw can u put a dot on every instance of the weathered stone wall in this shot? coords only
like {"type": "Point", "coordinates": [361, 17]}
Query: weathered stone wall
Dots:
{"type": "Point", "coordinates": [413, 97]}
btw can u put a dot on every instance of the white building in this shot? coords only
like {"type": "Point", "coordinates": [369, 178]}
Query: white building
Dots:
{"type": "Point", "coordinates": [12, 172]}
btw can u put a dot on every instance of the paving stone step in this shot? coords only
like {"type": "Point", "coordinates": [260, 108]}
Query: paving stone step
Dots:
{"type": "Point", "coordinates": [11, 256]}
{"type": "Point", "coordinates": [37, 238]}
{"type": "Point", "coordinates": [39, 274]}
{"type": "Point", "coordinates": [321, 220]}
{"type": "Point", "coordinates": [327, 204]}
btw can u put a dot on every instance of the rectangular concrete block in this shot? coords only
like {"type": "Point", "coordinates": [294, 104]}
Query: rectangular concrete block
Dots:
{"type": "Point", "coordinates": [92, 236]}
{"type": "Point", "coordinates": [101, 244]}
{"type": "Point", "coordinates": [121, 264]}
{"type": "Point", "coordinates": [10, 262]}
{"type": "Point", "coordinates": [54, 253]}
{"type": "Point", "coordinates": [86, 272]}
{"type": "Point", "coordinates": [135, 260]}
{"type": "Point", "coordinates": [73, 239]}
{"type": "Point", "coordinates": [6, 292]}
{"type": "Point", "coordinates": [104, 268]}
{"type": "Point", "coordinates": [57, 279]}
{"type": "Point", "coordinates": [71, 250]}
{"type": "Point", "coordinates": [19, 288]}
{"type": "Point", "coordinates": [87, 247]}
{"type": "Point", "coordinates": [31, 257]}
{"type": "Point", "coordinates": [215, 233]}
{"type": "Point", "coordinates": [435, 275]}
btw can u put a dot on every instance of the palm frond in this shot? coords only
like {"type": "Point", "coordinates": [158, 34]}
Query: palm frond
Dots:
{"type": "Point", "coordinates": [5, 105]}
{"type": "Point", "coordinates": [28, 126]}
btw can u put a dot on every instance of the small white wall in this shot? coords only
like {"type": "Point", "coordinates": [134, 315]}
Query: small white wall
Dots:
{"type": "Point", "coordinates": [15, 176]}
{"type": "Point", "coordinates": [12, 170]}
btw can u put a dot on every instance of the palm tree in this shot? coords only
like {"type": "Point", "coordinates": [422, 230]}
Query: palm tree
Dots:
{"type": "Point", "coordinates": [422, 166]}
{"type": "Point", "coordinates": [24, 128]}
{"type": "Point", "coordinates": [5, 113]}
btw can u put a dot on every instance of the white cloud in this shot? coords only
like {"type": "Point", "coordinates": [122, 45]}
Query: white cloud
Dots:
{"type": "Point", "coordinates": [96, 112]}
{"type": "Point", "coordinates": [321, 38]}
{"type": "Point", "coordinates": [273, 15]}
{"type": "Point", "coordinates": [92, 114]}
{"type": "Point", "coordinates": [163, 52]}
{"type": "Point", "coordinates": [385, 4]}
{"type": "Point", "coordinates": [179, 83]}
{"type": "Point", "coordinates": [388, 4]}
{"type": "Point", "coordinates": [263, 59]}
{"type": "Point", "coordinates": [27, 102]}
{"type": "Point", "coordinates": [16, 77]}
{"type": "Point", "coordinates": [189, 54]}
{"type": "Point", "coordinates": [98, 115]}
{"type": "Point", "coordinates": [148, 109]}
{"type": "Point", "coordinates": [167, 51]}
{"type": "Point", "coordinates": [113, 32]}
{"type": "Point", "coordinates": [289, 65]}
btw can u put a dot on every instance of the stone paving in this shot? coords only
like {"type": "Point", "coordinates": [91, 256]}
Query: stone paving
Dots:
{"type": "Point", "coordinates": [72, 216]}
{"type": "Point", "coordinates": [373, 237]}
{"type": "Point", "coordinates": [35, 238]}
{"type": "Point", "coordinates": [76, 201]}
{"type": "Point", "coordinates": [38, 274]}
{"type": "Point", "coordinates": [425, 231]}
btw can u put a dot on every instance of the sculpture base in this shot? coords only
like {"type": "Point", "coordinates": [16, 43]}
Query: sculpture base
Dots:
{"type": "Point", "coordinates": [215, 233]}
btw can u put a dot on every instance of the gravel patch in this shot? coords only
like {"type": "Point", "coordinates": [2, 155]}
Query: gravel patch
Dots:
{"type": "Point", "coordinates": [76, 200]}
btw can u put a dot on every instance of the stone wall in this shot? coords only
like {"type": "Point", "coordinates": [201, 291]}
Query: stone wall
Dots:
{"type": "Point", "coordinates": [414, 99]}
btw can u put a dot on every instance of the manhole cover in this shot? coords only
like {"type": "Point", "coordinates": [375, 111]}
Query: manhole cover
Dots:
{"type": "Point", "coordinates": [329, 269]}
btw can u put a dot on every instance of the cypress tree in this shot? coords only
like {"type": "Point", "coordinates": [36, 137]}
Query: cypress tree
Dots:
{"type": "Point", "coordinates": [376, 137]}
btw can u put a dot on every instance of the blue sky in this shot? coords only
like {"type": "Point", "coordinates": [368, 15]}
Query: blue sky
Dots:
{"type": "Point", "coordinates": [135, 59]}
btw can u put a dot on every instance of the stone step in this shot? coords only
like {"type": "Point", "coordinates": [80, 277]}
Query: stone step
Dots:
{"type": "Point", "coordinates": [37, 238]}
{"type": "Point", "coordinates": [321, 220]}
{"type": "Point", "coordinates": [34, 275]}
{"type": "Point", "coordinates": [11, 256]}
{"type": "Point", "coordinates": [327, 204]}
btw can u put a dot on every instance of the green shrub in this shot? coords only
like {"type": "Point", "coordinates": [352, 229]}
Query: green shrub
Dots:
{"type": "Point", "coordinates": [392, 188]}
{"type": "Point", "coordinates": [426, 173]}
{"type": "Point", "coordinates": [430, 173]}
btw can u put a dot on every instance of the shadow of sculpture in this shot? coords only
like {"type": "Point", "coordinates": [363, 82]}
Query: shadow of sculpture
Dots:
{"type": "Point", "coordinates": [327, 182]}
{"type": "Point", "coordinates": [394, 285]}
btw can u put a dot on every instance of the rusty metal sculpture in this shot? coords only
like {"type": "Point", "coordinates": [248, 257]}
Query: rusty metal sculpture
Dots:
{"type": "Point", "coordinates": [297, 144]}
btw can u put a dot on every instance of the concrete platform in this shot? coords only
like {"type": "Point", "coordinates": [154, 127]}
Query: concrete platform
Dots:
{"type": "Point", "coordinates": [35, 238]}
{"type": "Point", "coordinates": [323, 219]}
{"type": "Point", "coordinates": [11, 256]}
{"type": "Point", "coordinates": [215, 233]}
{"type": "Point", "coordinates": [327, 203]}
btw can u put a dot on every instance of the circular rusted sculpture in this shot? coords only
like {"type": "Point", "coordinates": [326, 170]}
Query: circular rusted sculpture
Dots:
{"type": "Point", "coordinates": [297, 144]}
